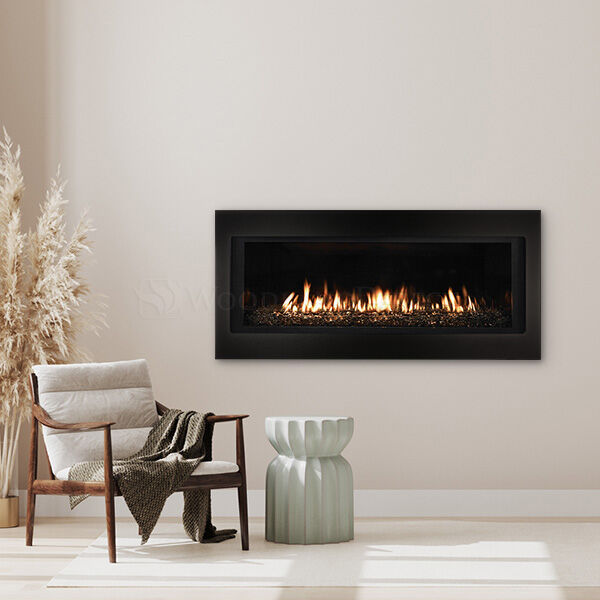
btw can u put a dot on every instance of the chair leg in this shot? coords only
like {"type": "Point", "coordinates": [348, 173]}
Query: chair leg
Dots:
{"type": "Point", "coordinates": [31, 475]}
{"type": "Point", "coordinates": [243, 504]}
{"type": "Point", "coordinates": [30, 518]}
{"type": "Point", "coordinates": [109, 496]}
{"type": "Point", "coordinates": [109, 499]}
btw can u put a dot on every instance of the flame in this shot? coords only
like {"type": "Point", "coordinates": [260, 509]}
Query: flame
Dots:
{"type": "Point", "coordinates": [378, 300]}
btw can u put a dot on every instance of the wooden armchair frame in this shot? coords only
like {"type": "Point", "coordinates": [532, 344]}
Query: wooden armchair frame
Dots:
{"type": "Point", "coordinates": [108, 488]}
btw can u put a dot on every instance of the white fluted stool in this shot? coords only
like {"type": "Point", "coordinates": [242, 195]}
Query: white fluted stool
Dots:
{"type": "Point", "coordinates": [309, 485]}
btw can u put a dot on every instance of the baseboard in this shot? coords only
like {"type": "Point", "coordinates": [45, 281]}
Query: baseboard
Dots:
{"type": "Point", "coordinates": [375, 503]}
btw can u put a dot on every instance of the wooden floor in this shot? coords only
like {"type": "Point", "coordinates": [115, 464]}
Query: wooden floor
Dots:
{"type": "Point", "coordinates": [24, 573]}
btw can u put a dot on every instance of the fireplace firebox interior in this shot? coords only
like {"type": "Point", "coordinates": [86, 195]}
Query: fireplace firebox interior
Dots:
{"type": "Point", "coordinates": [363, 283]}
{"type": "Point", "coordinates": [378, 284]}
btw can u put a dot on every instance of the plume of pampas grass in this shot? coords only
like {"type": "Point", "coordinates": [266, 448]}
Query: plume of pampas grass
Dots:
{"type": "Point", "coordinates": [42, 297]}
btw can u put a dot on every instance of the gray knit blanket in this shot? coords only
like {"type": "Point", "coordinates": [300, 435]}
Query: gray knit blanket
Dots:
{"type": "Point", "coordinates": [177, 444]}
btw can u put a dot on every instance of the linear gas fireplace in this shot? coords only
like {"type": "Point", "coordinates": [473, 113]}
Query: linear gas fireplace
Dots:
{"type": "Point", "coordinates": [378, 284]}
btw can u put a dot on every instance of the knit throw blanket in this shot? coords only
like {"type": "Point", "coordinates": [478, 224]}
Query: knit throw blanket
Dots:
{"type": "Point", "coordinates": [177, 444]}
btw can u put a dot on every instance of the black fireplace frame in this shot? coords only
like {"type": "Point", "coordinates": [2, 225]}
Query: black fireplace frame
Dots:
{"type": "Point", "coordinates": [522, 341]}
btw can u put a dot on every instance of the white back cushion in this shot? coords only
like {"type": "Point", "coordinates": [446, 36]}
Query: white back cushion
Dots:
{"type": "Point", "coordinates": [66, 450]}
{"type": "Point", "coordinates": [120, 392]}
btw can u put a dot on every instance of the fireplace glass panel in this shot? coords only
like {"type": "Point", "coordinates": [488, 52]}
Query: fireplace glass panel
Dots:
{"type": "Point", "coordinates": [299, 284]}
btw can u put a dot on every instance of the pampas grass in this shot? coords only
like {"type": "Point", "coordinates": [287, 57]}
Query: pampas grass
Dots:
{"type": "Point", "coordinates": [42, 297]}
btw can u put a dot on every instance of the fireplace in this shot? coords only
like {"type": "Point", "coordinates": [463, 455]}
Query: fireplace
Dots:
{"type": "Point", "coordinates": [378, 284]}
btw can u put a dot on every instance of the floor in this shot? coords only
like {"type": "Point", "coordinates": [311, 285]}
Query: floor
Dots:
{"type": "Point", "coordinates": [24, 573]}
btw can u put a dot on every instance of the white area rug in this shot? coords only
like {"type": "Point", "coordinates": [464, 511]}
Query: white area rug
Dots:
{"type": "Point", "coordinates": [385, 553]}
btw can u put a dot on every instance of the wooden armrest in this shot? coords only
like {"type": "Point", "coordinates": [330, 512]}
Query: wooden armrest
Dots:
{"type": "Point", "coordinates": [162, 409]}
{"type": "Point", "coordinates": [45, 419]}
{"type": "Point", "coordinates": [223, 418]}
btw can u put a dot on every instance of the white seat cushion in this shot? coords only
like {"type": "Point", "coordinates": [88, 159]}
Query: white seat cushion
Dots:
{"type": "Point", "coordinates": [119, 392]}
{"type": "Point", "coordinates": [213, 467]}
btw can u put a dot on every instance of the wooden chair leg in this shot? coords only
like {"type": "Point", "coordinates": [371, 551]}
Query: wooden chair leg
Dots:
{"type": "Point", "coordinates": [243, 504]}
{"type": "Point", "coordinates": [31, 477]}
{"type": "Point", "coordinates": [30, 518]}
{"type": "Point", "coordinates": [240, 455]}
{"type": "Point", "coordinates": [109, 497]}
{"type": "Point", "coordinates": [110, 527]}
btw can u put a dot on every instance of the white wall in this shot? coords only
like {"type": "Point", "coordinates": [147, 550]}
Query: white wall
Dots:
{"type": "Point", "coordinates": [163, 111]}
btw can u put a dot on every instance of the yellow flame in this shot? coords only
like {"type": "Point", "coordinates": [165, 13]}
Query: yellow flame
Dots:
{"type": "Point", "coordinates": [378, 300]}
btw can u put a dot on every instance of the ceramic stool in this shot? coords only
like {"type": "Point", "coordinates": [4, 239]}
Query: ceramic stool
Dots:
{"type": "Point", "coordinates": [309, 485]}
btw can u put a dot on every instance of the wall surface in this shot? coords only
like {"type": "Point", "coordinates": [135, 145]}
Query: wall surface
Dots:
{"type": "Point", "coordinates": [161, 112]}
{"type": "Point", "coordinates": [23, 91]}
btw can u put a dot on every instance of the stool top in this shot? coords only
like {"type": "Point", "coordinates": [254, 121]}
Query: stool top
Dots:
{"type": "Point", "coordinates": [309, 436]}
{"type": "Point", "coordinates": [302, 419]}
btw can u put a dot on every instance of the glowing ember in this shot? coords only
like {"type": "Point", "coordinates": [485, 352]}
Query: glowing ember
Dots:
{"type": "Point", "coordinates": [379, 301]}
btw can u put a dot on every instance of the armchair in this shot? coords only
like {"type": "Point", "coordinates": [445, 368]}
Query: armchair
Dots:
{"type": "Point", "coordinates": [103, 410]}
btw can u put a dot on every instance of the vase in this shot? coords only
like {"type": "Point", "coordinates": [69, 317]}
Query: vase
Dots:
{"type": "Point", "coordinates": [9, 511]}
